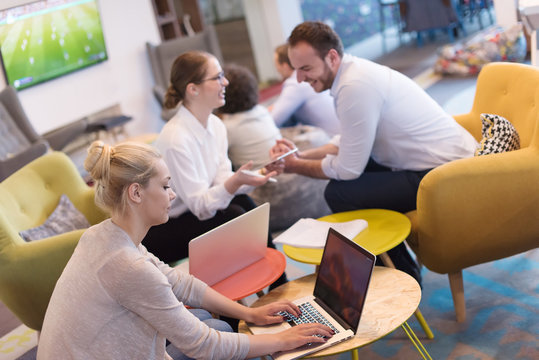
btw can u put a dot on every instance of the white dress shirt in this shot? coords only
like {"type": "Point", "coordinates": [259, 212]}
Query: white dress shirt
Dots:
{"type": "Point", "coordinates": [307, 106]}
{"type": "Point", "coordinates": [198, 163]}
{"type": "Point", "coordinates": [386, 115]}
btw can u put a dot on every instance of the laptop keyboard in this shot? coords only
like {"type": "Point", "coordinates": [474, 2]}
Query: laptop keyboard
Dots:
{"type": "Point", "coordinates": [309, 315]}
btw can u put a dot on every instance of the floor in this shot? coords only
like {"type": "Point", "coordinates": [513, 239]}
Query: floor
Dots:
{"type": "Point", "coordinates": [455, 96]}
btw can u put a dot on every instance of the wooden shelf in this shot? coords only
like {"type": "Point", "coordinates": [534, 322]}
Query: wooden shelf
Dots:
{"type": "Point", "coordinates": [167, 21]}
{"type": "Point", "coordinates": [169, 16]}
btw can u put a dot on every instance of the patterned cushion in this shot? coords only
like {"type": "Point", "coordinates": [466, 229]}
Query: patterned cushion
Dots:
{"type": "Point", "coordinates": [12, 140]}
{"type": "Point", "coordinates": [499, 135]}
{"type": "Point", "coordinates": [64, 218]}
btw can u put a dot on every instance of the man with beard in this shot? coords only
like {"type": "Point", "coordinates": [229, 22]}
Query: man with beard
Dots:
{"type": "Point", "coordinates": [392, 131]}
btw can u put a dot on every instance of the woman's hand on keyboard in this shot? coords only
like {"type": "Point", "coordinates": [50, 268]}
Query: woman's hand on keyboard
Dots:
{"type": "Point", "coordinates": [268, 314]}
{"type": "Point", "coordinates": [303, 334]}
{"type": "Point", "coordinates": [288, 339]}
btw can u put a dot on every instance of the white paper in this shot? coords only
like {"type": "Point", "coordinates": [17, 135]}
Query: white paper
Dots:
{"type": "Point", "coordinates": [312, 233]}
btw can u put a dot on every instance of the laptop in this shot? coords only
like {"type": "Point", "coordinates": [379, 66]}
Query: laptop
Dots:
{"type": "Point", "coordinates": [339, 294]}
{"type": "Point", "coordinates": [230, 247]}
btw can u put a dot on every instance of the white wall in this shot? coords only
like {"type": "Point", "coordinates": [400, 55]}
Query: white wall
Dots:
{"type": "Point", "coordinates": [506, 12]}
{"type": "Point", "coordinates": [270, 22]}
{"type": "Point", "coordinates": [125, 78]}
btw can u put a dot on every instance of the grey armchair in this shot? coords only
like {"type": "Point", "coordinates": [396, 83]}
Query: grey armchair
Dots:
{"type": "Point", "coordinates": [163, 55]}
{"type": "Point", "coordinates": [19, 143]}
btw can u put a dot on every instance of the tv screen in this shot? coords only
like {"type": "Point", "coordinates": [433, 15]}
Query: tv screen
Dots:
{"type": "Point", "coordinates": [46, 39]}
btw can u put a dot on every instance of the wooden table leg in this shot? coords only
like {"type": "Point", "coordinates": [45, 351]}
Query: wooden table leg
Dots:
{"type": "Point", "coordinates": [419, 316]}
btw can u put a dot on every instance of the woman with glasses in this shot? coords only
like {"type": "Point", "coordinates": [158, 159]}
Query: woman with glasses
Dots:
{"type": "Point", "coordinates": [194, 146]}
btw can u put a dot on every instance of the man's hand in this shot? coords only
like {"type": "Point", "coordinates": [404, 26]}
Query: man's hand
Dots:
{"type": "Point", "coordinates": [283, 146]}
{"type": "Point", "coordinates": [276, 166]}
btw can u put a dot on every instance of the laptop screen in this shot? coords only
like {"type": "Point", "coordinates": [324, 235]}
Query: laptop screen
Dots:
{"type": "Point", "coordinates": [343, 277]}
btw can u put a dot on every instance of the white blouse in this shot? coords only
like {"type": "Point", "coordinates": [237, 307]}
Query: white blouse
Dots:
{"type": "Point", "coordinates": [198, 163]}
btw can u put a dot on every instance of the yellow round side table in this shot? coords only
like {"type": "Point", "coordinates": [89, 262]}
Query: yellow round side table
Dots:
{"type": "Point", "coordinates": [386, 229]}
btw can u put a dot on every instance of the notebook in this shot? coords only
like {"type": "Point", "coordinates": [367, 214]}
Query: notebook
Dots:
{"type": "Point", "coordinates": [339, 293]}
{"type": "Point", "coordinates": [221, 252]}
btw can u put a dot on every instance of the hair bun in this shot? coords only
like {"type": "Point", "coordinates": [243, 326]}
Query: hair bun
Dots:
{"type": "Point", "coordinates": [172, 97]}
{"type": "Point", "coordinates": [97, 162]}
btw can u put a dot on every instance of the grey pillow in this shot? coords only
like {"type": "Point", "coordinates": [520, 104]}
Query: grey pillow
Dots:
{"type": "Point", "coordinates": [64, 218]}
{"type": "Point", "coordinates": [12, 140]}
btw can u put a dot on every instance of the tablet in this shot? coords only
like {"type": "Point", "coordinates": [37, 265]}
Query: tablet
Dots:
{"type": "Point", "coordinates": [282, 156]}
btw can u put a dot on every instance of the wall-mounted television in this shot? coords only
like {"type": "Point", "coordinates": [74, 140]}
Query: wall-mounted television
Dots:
{"type": "Point", "coordinates": [46, 39]}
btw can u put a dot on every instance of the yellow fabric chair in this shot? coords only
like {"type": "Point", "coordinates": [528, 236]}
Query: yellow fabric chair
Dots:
{"type": "Point", "coordinates": [29, 270]}
{"type": "Point", "coordinates": [485, 208]}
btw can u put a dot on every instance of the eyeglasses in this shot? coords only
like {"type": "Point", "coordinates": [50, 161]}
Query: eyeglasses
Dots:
{"type": "Point", "coordinates": [219, 77]}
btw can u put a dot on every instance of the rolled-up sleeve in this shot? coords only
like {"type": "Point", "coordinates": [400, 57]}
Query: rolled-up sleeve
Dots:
{"type": "Point", "coordinates": [358, 131]}
{"type": "Point", "coordinates": [292, 97]}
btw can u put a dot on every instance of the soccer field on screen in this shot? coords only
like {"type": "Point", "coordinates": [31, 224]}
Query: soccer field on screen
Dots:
{"type": "Point", "coordinates": [40, 46]}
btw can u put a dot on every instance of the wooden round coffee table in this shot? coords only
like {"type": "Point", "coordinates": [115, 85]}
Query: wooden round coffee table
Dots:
{"type": "Point", "coordinates": [392, 298]}
{"type": "Point", "coordinates": [386, 229]}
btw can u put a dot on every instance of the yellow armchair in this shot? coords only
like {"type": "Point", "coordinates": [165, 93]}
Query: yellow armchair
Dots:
{"type": "Point", "coordinates": [29, 270]}
{"type": "Point", "coordinates": [485, 208]}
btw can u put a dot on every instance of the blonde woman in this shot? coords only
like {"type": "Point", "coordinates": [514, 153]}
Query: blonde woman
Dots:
{"type": "Point", "coordinates": [115, 300]}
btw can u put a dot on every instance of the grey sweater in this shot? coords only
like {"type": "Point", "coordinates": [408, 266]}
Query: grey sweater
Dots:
{"type": "Point", "coordinates": [117, 301]}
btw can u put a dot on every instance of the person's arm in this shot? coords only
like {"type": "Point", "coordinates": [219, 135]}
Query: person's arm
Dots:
{"type": "Point", "coordinates": [205, 185]}
{"type": "Point", "coordinates": [270, 343]}
{"type": "Point", "coordinates": [359, 107]}
{"type": "Point", "coordinates": [292, 96]}
{"type": "Point", "coordinates": [220, 304]}
{"type": "Point", "coordinates": [140, 287]}
{"type": "Point", "coordinates": [298, 163]}
{"type": "Point", "coordinates": [320, 152]}
{"type": "Point", "coordinates": [292, 338]}
{"type": "Point", "coordinates": [305, 167]}
{"type": "Point", "coordinates": [239, 178]}
{"type": "Point", "coordinates": [202, 196]}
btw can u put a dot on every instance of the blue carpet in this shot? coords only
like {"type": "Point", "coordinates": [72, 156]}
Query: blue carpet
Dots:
{"type": "Point", "coordinates": [502, 303]}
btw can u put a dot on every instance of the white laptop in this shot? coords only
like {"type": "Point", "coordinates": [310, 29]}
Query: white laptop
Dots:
{"type": "Point", "coordinates": [339, 294]}
{"type": "Point", "coordinates": [221, 252]}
